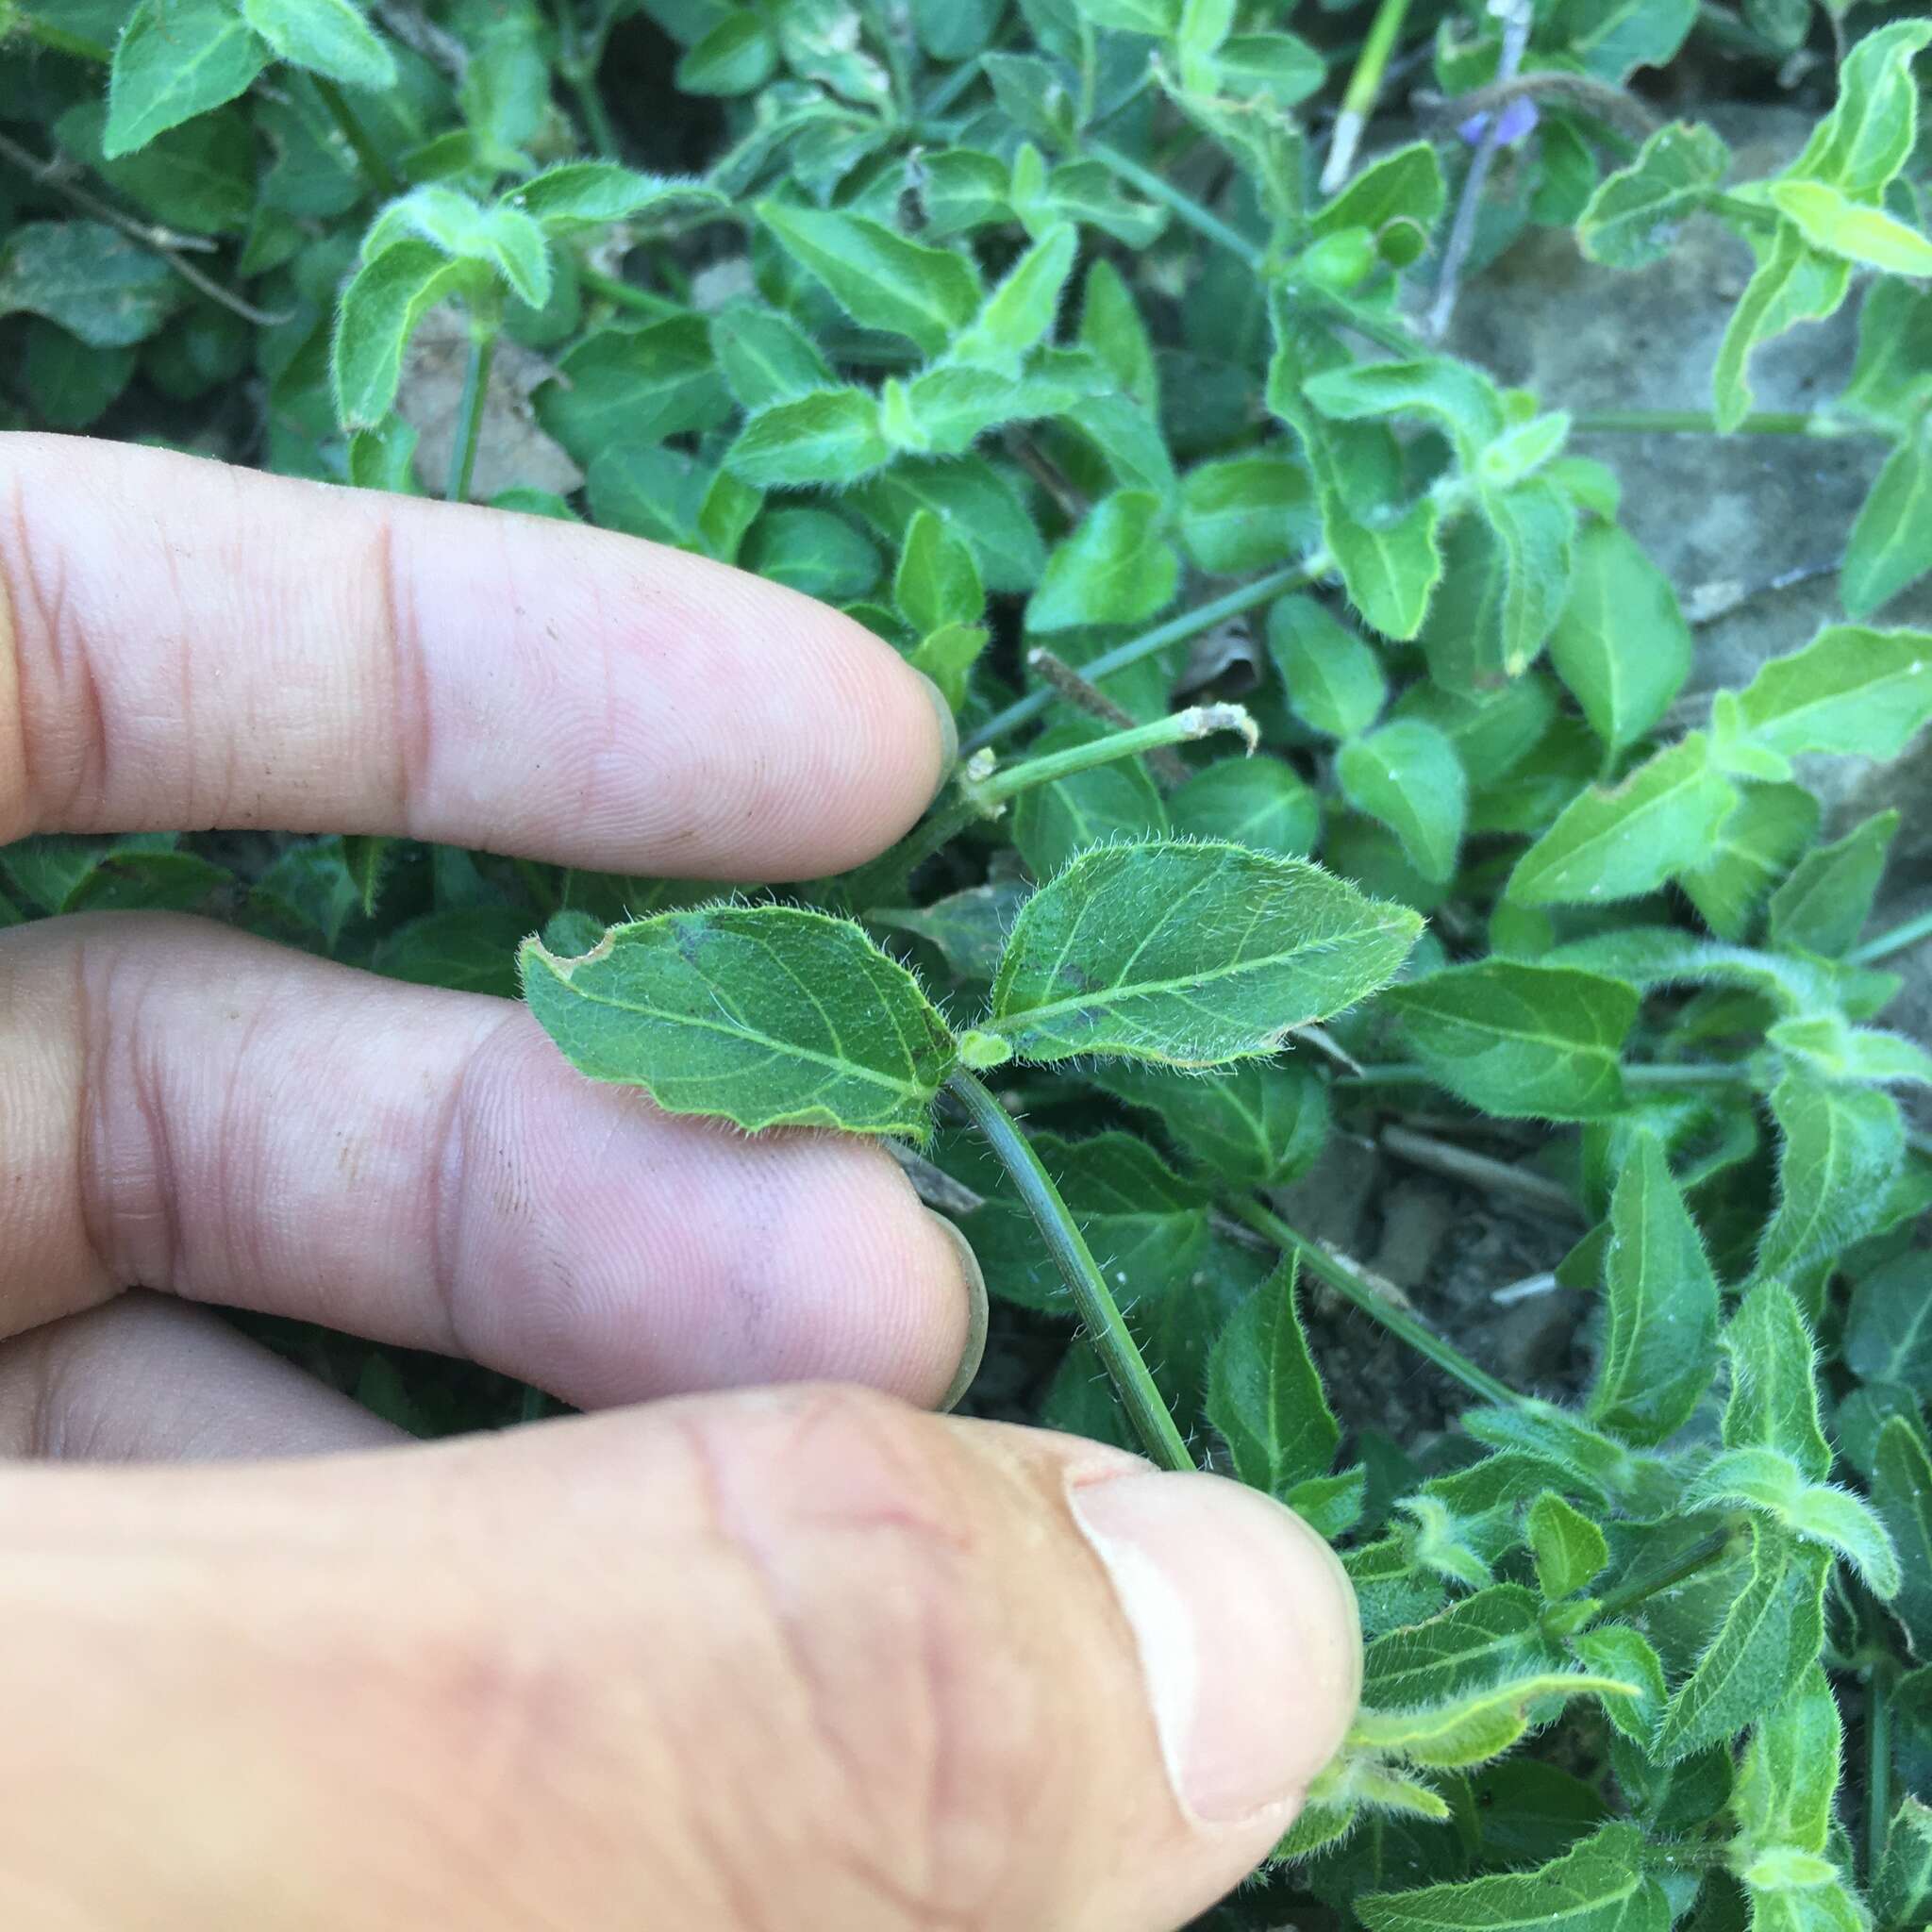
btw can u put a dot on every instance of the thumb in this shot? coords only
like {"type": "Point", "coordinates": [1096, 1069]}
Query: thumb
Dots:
{"type": "Point", "coordinates": [806, 1657]}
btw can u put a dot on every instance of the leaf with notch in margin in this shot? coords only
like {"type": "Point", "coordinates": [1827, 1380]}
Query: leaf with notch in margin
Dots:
{"type": "Point", "coordinates": [1527, 1042]}
{"type": "Point", "coordinates": [1600, 1886]}
{"type": "Point", "coordinates": [1661, 1305]}
{"type": "Point", "coordinates": [1891, 544]}
{"type": "Point", "coordinates": [1264, 1395]}
{"type": "Point", "coordinates": [1566, 1546]}
{"type": "Point", "coordinates": [378, 313]}
{"type": "Point", "coordinates": [1188, 954]}
{"type": "Point", "coordinates": [1770, 1636]}
{"type": "Point", "coordinates": [1902, 1491]}
{"type": "Point", "coordinates": [174, 59]}
{"type": "Point", "coordinates": [1630, 219]}
{"type": "Point", "coordinates": [1258, 1123]}
{"type": "Point", "coordinates": [1626, 840]}
{"type": "Point", "coordinates": [1620, 642]}
{"type": "Point", "coordinates": [1851, 689]}
{"type": "Point", "coordinates": [1114, 569]}
{"type": "Point", "coordinates": [765, 1015]}
{"type": "Point", "coordinates": [1842, 1147]}
{"type": "Point", "coordinates": [1822, 907]}
{"type": "Point", "coordinates": [876, 274]}
{"type": "Point", "coordinates": [1408, 776]}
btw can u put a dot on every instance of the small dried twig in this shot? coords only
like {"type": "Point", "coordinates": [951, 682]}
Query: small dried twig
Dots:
{"type": "Point", "coordinates": [1481, 1171]}
{"type": "Point", "coordinates": [1165, 763]}
{"type": "Point", "coordinates": [156, 240]}
{"type": "Point", "coordinates": [1047, 474]}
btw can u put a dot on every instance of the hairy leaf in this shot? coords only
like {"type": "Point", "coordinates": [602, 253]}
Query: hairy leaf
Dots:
{"type": "Point", "coordinates": [1264, 1395]}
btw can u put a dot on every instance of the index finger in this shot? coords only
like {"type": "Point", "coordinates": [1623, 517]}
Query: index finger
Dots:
{"type": "Point", "coordinates": [185, 645]}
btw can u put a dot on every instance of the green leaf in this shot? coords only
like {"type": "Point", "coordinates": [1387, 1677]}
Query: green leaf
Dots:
{"type": "Point", "coordinates": [507, 240]}
{"type": "Point", "coordinates": [1902, 1490]}
{"type": "Point", "coordinates": [1188, 954]}
{"type": "Point", "coordinates": [1631, 219]}
{"type": "Point", "coordinates": [1335, 682]}
{"type": "Point", "coordinates": [1567, 1547]}
{"type": "Point", "coordinates": [879, 278]}
{"type": "Point", "coordinates": [1533, 523]}
{"type": "Point", "coordinates": [1827, 1044]}
{"type": "Point", "coordinates": [765, 356]}
{"type": "Point", "coordinates": [1398, 197]}
{"type": "Point", "coordinates": [974, 501]}
{"type": "Point", "coordinates": [1248, 513]}
{"type": "Point", "coordinates": [1454, 396]}
{"type": "Point", "coordinates": [1408, 776]}
{"type": "Point", "coordinates": [1891, 544]}
{"type": "Point", "coordinates": [1661, 1305]}
{"type": "Point", "coordinates": [1118, 801]}
{"type": "Point", "coordinates": [1851, 690]}
{"type": "Point", "coordinates": [1495, 1634]}
{"type": "Point", "coordinates": [1622, 841]}
{"type": "Point", "coordinates": [816, 551]}
{"type": "Point", "coordinates": [969, 927]}
{"type": "Point", "coordinates": [1867, 236]}
{"type": "Point", "coordinates": [767, 1015]}
{"type": "Point", "coordinates": [1902, 1885]}
{"type": "Point", "coordinates": [830, 435]}
{"type": "Point", "coordinates": [1600, 1887]}
{"type": "Point", "coordinates": [1841, 1147]}
{"type": "Point", "coordinates": [1254, 801]}
{"type": "Point", "coordinates": [1793, 283]}
{"type": "Point", "coordinates": [1770, 1636]}
{"type": "Point", "coordinates": [86, 278]}
{"type": "Point", "coordinates": [1615, 1650]}
{"type": "Point", "coordinates": [1788, 1774]}
{"type": "Point", "coordinates": [379, 311]}
{"type": "Point", "coordinates": [1133, 16]}
{"type": "Point", "coordinates": [1822, 907]}
{"type": "Point", "coordinates": [464, 948]}
{"type": "Point", "coordinates": [1865, 139]}
{"type": "Point", "coordinates": [1774, 1399]}
{"type": "Point", "coordinates": [175, 59]}
{"type": "Point", "coordinates": [1621, 643]}
{"type": "Point", "coordinates": [1609, 39]}
{"type": "Point", "coordinates": [1259, 1124]}
{"type": "Point", "coordinates": [1114, 569]}
{"type": "Point", "coordinates": [1265, 1395]}
{"type": "Point", "coordinates": [1891, 377]}
{"type": "Point", "coordinates": [590, 194]}
{"type": "Point", "coordinates": [736, 56]}
{"type": "Point", "coordinates": [1888, 1333]}
{"type": "Point", "coordinates": [633, 387]}
{"type": "Point", "coordinates": [1768, 829]}
{"type": "Point", "coordinates": [1020, 314]}
{"type": "Point", "coordinates": [938, 580]}
{"type": "Point", "coordinates": [1523, 1041]}
{"type": "Point", "coordinates": [328, 37]}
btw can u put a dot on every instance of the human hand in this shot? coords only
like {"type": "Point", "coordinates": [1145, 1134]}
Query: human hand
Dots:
{"type": "Point", "coordinates": [803, 1654]}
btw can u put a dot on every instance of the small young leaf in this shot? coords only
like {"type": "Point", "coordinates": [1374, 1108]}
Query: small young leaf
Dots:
{"type": "Point", "coordinates": [328, 37]}
{"type": "Point", "coordinates": [1621, 643]}
{"type": "Point", "coordinates": [1793, 283]}
{"type": "Point", "coordinates": [1335, 682]}
{"type": "Point", "coordinates": [589, 194]}
{"type": "Point", "coordinates": [379, 311]}
{"type": "Point", "coordinates": [1788, 1776]}
{"type": "Point", "coordinates": [176, 59]}
{"type": "Point", "coordinates": [1567, 1547]}
{"type": "Point", "coordinates": [1114, 569]}
{"type": "Point", "coordinates": [1408, 776]}
{"type": "Point", "coordinates": [1774, 1399]}
{"type": "Point", "coordinates": [1019, 315]}
{"type": "Point", "coordinates": [1891, 544]}
{"type": "Point", "coordinates": [1831, 222]}
{"type": "Point", "coordinates": [828, 436]}
{"type": "Point", "coordinates": [1849, 690]}
{"type": "Point", "coordinates": [1902, 1490]}
{"type": "Point", "coordinates": [1265, 1395]}
{"type": "Point", "coordinates": [1822, 906]}
{"type": "Point", "coordinates": [767, 1015]}
{"type": "Point", "coordinates": [1188, 954]}
{"type": "Point", "coordinates": [1660, 1304]}
{"type": "Point", "coordinates": [879, 278]}
{"type": "Point", "coordinates": [1632, 217]}
{"type": "Point", "coordinates": [1600, 1887]}
{"type": "Point", "coordinates": [938, 580]}
{"type": "Point", "coordinates": [1629, 839]}
{"type": "Point", "coordinates": [1524, 1041]}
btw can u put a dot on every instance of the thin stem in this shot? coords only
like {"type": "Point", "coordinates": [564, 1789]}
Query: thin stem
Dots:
{"type": "Point", "coordinates": [1355, 1287]}
{"type": "Point", "coordinates": [470, 411]}
{"type": "Point", "coordinates": [1703, 423]}
{"type": "Point", "coordinates": [1699, 1558]}
{"type": "Point", "coordinates": [625, 295]}
{"type": "Point", "coordinates": [950, 89]}
{"type": "Point", "coordinates": [1203, 221]}
{"type": "Point", "coordinates": [1661, 1073]}
{"type": "Point", "coordinates": [1099, 1313]}
{"type": "Point", "coordinates": [583, 84]}
{"type": "Point", "coordinates": [1482, 1171]}
{"type": "Point", "coordinates": [1175, 630]}
{"type": "Point", "coordinates": [381, 175]}
{"type": "Point", "coordinates": [1364, 89]}
{"type": "Point", "coordinates": [1877, 1763]}
{"type": "Point", "coordinates": [1894, 939]}
{"type": "Point", "coordinates": [1165, 765]}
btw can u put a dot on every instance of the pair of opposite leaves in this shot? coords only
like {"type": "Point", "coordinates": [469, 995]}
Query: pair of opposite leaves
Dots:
{"type": "Point", "coordinates": [1186, 954]}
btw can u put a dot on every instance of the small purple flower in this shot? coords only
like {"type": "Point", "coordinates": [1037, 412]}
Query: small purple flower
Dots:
{"type": "Point", "coordinates": [1518, 118]}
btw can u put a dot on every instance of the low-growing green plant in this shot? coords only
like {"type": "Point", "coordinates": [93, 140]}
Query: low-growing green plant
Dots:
{"type": "Point", "coordinates": [1035, 335]}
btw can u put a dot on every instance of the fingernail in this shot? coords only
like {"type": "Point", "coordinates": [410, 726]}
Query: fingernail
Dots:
{"type": "Point", "coordinates": [1247, 1631]}
{"type": "Point", "coordinates": [949, 731]}
{"type": "Point", "coordinates": [973, 1277]}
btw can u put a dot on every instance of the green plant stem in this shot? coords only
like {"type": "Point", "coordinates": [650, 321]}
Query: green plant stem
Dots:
{"type": "Point", "coordinates": [1364, 89]}
{"type": "Point", "coordinates": [1690, 1073]}
{"type": "Point", "coordinates": [1356, 1288]}
{"type": "Point", "coordinates": [625, 295]}
{"type": "Point", "coordinates": [1175, 630]}
{"type": "Point", "coordinates": [1877, 1762]}
{"type": "Point", "coordinates": [462, 467]}
{"type": "Point", "coordinates": [1099, 1313]}
{"type": "Point", "coordinates": [1699, 1558]}
{"type": "Point", "coordinates": [583, 84]}
{"type": "Point", "coordinates": [1203, 221]}
{"type": "Point", "coordinates": [1896, 940]}
{"type": "Point", "coordinates": [1703, 423]}
{"type": "Point", "coordinates": [381, 176]}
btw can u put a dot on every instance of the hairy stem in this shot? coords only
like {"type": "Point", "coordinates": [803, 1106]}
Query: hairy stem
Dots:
{"type": "Point", "coordinates": [625, 295]}
{"type": "Point", "coordinates": [1175, 630]}
{"type": "Point", "coordinates": [1703, 423]}
{"type": "Point", "coordinates": [381, 176]}
{"type": "Point", "coordinates": [1364, 89]}
{"type": "Point", "coordinates": [1358, 1291]}
{"type": "Point", "coordinates": [469, 410]}
{"type": "Point", "coordinates": [1156, 188]}
{"type": "Point", "coordinates": [1894, 939]}
{"type": "Point", "coordinates": [1099, 1313]}
{"type": "Point", "coordinates": [1699, 1558]}
{"type": "Point", "coordinates": [1688, 1074]}
{"type": "Point", "coordinates": [1877, 1762]}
